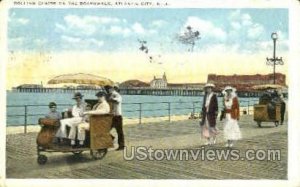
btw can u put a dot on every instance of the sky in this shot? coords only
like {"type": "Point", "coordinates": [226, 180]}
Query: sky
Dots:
{"type": "Point", "coordinates": [43, 43]}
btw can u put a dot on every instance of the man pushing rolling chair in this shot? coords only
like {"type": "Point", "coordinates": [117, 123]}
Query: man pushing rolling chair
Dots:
{"type": "Point", "coordinates": [115, 100]}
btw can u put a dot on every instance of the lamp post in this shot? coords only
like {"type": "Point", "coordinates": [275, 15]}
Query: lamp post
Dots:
{"type": "Point", "coordinates": [275, 60]}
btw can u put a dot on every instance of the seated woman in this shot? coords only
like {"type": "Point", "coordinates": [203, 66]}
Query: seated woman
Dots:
{"type": "Point", "coordinates": [102, 107]}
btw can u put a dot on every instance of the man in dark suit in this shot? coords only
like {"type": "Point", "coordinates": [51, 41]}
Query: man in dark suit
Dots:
{"type": "Point", "coordinates": [209, 114]}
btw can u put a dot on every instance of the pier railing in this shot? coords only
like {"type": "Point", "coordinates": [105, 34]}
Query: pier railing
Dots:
{"type": "Point", "coordinates": [29, 114]}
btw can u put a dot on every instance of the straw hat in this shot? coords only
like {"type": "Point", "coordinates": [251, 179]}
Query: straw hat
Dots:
{"type": "Point", "coordinates": [229, 88]}
{"type": "Point", "coordinates": [100, 94]}
{"type": "Point", "coordinates": [77, 95]}
{"type": "Point", "coordinates": [207, 85]}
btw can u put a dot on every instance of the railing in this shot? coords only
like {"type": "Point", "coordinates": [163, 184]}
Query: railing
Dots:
{"type": "Point", "coordinates": [138, 111]}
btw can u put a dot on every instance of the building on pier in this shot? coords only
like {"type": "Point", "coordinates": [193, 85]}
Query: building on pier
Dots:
{"type": "Point", "coordinates": [159, 82]}
{"type": "Point", "coordinates": [30, 86]}
{"type": "Point", "coordinates": [245, 83]}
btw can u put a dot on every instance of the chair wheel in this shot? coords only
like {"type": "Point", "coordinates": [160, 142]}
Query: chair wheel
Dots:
{"type": "Point", "coordinates": [98, 154]}
{"type": "Point", "coordinates": [77, 153]}
{"type": "Point", "coordinates": [42, 159]}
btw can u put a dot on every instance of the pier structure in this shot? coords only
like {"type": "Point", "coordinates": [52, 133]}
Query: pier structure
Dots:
{"type": "Point", "coordinates": [162, 91]}
{"type": "Point", "coordinates": [137, 91]}
{"type": "Point", "coordinates": [52, 90]}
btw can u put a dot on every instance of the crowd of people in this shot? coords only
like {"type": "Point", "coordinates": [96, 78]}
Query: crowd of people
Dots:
{"type": "Point", "coordinates": [109, 101]}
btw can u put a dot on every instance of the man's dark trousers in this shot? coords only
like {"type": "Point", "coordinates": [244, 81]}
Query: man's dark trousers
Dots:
{"type": "Point", "coordinates": [117, 123]}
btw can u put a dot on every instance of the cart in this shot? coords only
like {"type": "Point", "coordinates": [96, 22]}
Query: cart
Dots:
{"type": "Point", "coordinates": [261, 114]}
{"type": "Point", "coordinates": [268, 102]}
{"type": "Point", "coordinates": [98, 138]}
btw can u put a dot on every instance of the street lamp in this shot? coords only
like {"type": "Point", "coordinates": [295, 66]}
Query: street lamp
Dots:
{"type": "Point", "coordinates": [275, 60]}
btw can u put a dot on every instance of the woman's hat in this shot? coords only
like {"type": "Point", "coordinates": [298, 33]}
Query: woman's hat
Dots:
{"type": "Point", "coordinates": [77, 95]}
{"type": "Point", "coordinates": [209, 85]}
{"type": "Point", "coordinates": [229, 88]}
{"type": "Point", "coordinates": [52, 105]}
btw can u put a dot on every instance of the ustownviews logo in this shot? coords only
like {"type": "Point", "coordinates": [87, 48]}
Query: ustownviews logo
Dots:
{"type": "Point", "coordinates": [148, 153]}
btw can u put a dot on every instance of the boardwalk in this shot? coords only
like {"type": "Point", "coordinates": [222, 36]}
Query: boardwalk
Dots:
{"type": "Point", "coordinates": [21, 155]}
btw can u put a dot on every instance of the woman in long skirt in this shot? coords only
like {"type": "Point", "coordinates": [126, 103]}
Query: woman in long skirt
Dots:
{"type": "Point", "coordinates": [232, 114]}
{"type": "Point", "coordinates": [209, 133]}
{"type": "Point", "coordinates": [209, 114]}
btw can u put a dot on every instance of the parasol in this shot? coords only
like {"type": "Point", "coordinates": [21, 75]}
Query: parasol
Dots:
{"type": "Point", "coordinates": [81, 78]}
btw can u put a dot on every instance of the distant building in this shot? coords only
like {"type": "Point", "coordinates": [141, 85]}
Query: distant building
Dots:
{"type": "Point", "coordinates": [30, 86]}
{"type": "Point", "coordinates": [133, 84]}
{"type": "Point", "coordinates": [245, 82]}
{"type": "Point", "coordinates": [159, 82]}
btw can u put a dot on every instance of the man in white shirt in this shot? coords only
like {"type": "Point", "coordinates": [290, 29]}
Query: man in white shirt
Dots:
{"type": "Point", "coordinates": [115, 98]}
{"type": "Point", "coordinates": [77, 113]}
{"type": "Point", "coordinates": [102, 107]}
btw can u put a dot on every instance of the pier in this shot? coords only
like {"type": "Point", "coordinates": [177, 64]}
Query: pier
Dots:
{"type": "Point", "coordinates": [136, 91]}
{"type": "Point", "coordinates": [162, 91]}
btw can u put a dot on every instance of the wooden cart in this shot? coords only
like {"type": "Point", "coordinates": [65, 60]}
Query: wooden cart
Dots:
{"type": "Point", "coordinates": [261, 114]}
{"type": "Point", "coordinates": [98, 139]}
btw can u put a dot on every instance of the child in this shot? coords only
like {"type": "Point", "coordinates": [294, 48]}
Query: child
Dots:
{"type": "Point", "coordinates": [53, 114]}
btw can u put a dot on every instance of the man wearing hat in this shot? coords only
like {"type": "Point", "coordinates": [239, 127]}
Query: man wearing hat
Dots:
{"type": "Point", "coordinates": [102, 107]}
{"type": "Point", "coordinates": [53, 114]}
{"type": "Point", "coordinates": [209, 114]}
{"type": "Point", "coordinates": [77, 113]}
{"type": "Point", "coordinates": [115, 100]}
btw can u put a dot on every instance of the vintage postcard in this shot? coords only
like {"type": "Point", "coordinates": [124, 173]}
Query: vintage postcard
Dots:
{"type": "Point", "coordinates": [191, 92]}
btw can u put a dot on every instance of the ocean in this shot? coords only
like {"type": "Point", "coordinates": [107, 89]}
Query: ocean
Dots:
{"type": "Point", "coordinates": [153, 106]}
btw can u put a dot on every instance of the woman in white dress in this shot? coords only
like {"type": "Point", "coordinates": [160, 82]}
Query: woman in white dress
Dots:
{"type": "Point", "coordinates": [232, 114]}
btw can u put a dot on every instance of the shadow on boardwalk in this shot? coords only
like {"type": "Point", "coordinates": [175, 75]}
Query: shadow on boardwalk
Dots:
{"type": "Point", "coordinates": [21, 155]}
